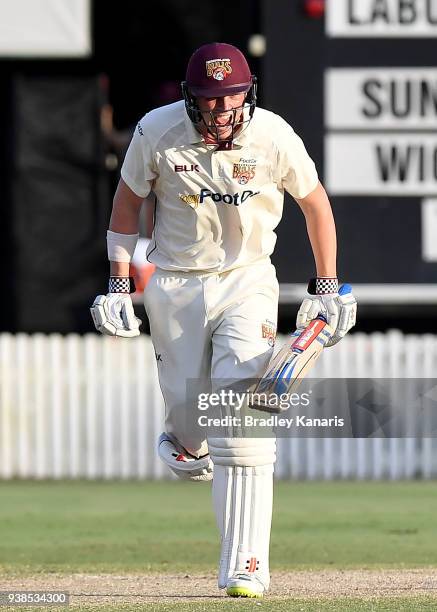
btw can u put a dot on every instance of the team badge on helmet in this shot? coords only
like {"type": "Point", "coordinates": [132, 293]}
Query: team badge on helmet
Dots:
{"type": "Point", "coordinates": [244, 171]}
{"type": "Point", "coordinates": [218, 69]}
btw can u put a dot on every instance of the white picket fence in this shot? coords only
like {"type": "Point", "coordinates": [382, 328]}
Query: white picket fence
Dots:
{"type": "Point", "coordinates": [91, 407]}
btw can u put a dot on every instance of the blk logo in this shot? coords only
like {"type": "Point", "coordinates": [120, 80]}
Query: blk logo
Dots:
{"type": "Point", "coordinates": [186, 168]}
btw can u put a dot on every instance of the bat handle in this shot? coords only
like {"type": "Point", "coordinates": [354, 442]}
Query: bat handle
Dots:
{"type": "Point", "coordinates": [346, 288]}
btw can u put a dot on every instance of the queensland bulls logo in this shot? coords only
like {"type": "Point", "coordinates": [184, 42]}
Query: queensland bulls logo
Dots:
{"type": "Point", "coordinates": [218, 69]}
{"type": "Point", "coordinates": [244, 171]}
{"type": "Point", "coordinates": [268, 329]}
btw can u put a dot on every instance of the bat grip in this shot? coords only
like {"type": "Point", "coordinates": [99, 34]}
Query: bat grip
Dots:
{"type": "Point", "coordinates": [346, 288]}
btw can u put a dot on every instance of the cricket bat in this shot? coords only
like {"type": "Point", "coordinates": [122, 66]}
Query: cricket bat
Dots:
{"type": "Point", "coordinates": [292, 363]}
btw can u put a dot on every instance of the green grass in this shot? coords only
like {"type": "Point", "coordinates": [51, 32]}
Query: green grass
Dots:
{"type": "Point", "coordinates": [169, 526]}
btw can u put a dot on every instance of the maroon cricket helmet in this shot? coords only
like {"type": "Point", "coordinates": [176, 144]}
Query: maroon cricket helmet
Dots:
{"type": "Point", "coordinates": [218, 69]}
{"type": "Point", "coordinates": [214, 71]}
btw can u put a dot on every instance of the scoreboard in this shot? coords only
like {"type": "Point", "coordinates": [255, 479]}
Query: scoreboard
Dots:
{"type": "Point", "coordinates": [360, 87]}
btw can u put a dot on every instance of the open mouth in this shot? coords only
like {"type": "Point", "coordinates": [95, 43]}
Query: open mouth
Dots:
{"type": "Point", "coordinates": [223, 121]}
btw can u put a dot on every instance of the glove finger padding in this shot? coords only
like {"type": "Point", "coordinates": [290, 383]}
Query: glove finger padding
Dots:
{"type": "Point", "coordinates": [332, 309]}
{"type": "Point", "coordinates": [98, 313]}
{"type": "Point", "coordinates": [308, 311]}
{"type": "Point", "coordinates": [113, 315]}
{"type": "Point", "coordinates": [128, 317]}
{"type": "Point", "coordinates": [347, 319]}
{"type": "Point", "coordinates": [339, 311]}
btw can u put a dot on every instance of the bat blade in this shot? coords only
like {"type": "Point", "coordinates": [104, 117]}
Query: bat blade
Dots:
{"type": "Point", "coordinates": [292, 363]}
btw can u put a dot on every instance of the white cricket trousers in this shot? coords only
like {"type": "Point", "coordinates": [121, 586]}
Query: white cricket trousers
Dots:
{"type": "Point", "coordinates": [207, 328]}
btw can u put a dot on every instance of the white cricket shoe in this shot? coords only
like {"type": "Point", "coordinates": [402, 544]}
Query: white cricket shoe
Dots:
{"type": "Point", "coordinates": [244, 585]}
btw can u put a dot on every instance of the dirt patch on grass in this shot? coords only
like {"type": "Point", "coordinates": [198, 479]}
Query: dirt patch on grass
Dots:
{"type": "Point", "coordinates": [146, 588]}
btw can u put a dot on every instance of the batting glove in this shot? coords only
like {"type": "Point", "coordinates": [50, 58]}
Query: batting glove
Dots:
{"type": "Point", "coordinates": [337, 306]}
{"type": "Point", "coordinates": [113, 313]}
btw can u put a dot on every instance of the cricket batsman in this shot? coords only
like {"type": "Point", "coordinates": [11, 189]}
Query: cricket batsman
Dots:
{"type": "Point", "coordinates": [218, 166]}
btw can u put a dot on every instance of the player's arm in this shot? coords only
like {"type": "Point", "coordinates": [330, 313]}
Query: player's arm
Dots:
{"type": "Point", "coordinates": [339, 308]}
{"type": "Point", "coordinates": [113, 313]}
{"type": "Point", "coordinates": [124, 221]}
{"type": "Point", "coordinates": [297, 174]}
{"type": "Point", "coordinates": [321, 230]}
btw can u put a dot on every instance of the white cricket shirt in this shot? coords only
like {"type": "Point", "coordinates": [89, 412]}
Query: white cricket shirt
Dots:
{"type": "Point", "coordinates": [216, 209]}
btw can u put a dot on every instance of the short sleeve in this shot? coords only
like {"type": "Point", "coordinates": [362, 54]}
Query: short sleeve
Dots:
{"type": "Point", "coordinates": [298, 174]}
{"type": "Point", "coordinates": [138, 167]}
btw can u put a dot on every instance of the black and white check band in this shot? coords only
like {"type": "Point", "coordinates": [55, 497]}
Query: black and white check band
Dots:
{"type": "Point", "coordinates": [321, 285]}
{"type": "Point", "coordinates": [121, 284]}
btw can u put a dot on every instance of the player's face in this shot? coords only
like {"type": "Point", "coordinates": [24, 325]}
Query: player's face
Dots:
{"type": "Point", "coordinates": [221, 113]}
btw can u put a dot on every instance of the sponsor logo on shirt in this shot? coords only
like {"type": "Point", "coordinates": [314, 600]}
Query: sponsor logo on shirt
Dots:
{"type": "Point", "coordinates": [192, 199]}
{"type": "Point", "coordinates": [218, 69]}
{"type": "Point", "coordinates": [268, 329]}
{"type": "Point", "coordinates": [140, 129]}
{"type": "Point", "coordinates": [186, 168]}
{"type": "Point", "coordinates": [236, 199]}
{"type": "Point", "coordinates": [244, 170]}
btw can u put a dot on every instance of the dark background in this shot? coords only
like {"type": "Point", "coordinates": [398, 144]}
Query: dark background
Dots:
{"type": "Point", "coordinates": [379, 237]}
{"type": "Point", "coordinates": [57, 187]}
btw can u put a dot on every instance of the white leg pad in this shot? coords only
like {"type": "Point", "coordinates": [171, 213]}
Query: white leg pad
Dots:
{"type": "Point", "coordinates": [243, 499]}
{"type": "Point", "coordinates": [242, 451]}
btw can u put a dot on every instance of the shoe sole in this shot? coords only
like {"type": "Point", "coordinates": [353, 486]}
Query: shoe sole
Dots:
{"type": "Point", "coordinates": [242, 592]}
